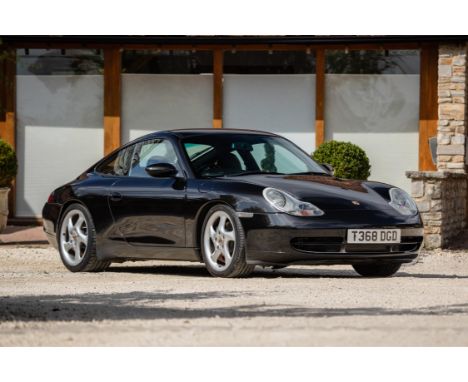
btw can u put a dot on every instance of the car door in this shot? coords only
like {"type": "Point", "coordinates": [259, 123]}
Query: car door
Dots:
{"type": "Point", "coordinates": [149, 212]}
{"type": "Point", "coordinates": [109, 240]}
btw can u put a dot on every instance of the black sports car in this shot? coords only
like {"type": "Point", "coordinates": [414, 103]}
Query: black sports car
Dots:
{"type": "Point", "coordinates": [232, 199]}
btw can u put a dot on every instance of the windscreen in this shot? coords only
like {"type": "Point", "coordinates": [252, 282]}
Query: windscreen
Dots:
{"type": "Point", "coordinates": [216, 155]}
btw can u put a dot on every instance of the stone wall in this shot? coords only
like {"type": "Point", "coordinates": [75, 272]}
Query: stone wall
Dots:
{"type": "Point", "coordinates": [452, 127]}
{"type": "Point", "coordinates": [441, 199]}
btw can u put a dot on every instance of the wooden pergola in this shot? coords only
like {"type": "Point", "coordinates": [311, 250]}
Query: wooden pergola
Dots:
{"type": "Point", "coordinates": [113, 46]}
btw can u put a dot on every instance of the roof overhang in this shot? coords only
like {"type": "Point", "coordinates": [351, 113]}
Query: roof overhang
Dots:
{"type": "Point", "coordinates": [231, 40]}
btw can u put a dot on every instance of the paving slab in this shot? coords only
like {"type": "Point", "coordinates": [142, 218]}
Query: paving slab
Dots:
{"type": "Point", "coordinates": [23, 235]}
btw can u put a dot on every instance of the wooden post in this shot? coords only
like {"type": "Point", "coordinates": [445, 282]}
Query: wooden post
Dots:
{"type": "Point", "coordinates": [218, 88]}
{"type": "Point", "coordinates": [112, 99]}
{"type": "Point", "coordinates": [3, 93]}
{"type": "Point", "coordinates": [8, 112]}
{"type": "Point", "coordinates": [428, 107]}
{"type": "Point", "coordinates": [8, 133]}
{"type": "Point", "coordinates": [319, 97]}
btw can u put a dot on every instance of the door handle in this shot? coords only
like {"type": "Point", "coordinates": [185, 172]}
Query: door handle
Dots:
{"type": "Point", "coordinates": [115, 196]}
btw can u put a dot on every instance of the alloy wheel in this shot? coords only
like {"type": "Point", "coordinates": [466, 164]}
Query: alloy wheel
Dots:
{"type": "Point", "coordinates": [74, 237]}
{"type": "Point", "coordinates": [219, 240]}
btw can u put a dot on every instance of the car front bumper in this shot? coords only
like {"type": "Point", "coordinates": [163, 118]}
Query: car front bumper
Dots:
{"type": "Point", "coordinates": [280, 239]}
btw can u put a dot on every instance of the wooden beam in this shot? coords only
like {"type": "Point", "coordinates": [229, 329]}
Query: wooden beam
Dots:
{"type": "Point", "coordinates": [8, 132]}
{"type": "Point", "coordinates": [3, 93]}
{"type": "Point", "coordinates": [112, 99]}
{"type": "Point", "coordinates": [428, 108]}
{"type": "Point", "coordinates": [239, 47]}
{"type": "Point", "coordinates": [8, 112]}
{"type": "Point", "coordinates": [218, 89]}
{"type": "Point", "coordinates": [319, 97]}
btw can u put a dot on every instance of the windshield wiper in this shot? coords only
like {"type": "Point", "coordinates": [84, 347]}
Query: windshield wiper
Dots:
{"type": "Point", "coordinates": [256, 173]}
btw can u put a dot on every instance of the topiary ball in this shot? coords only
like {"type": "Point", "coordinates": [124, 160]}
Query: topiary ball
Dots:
{"type": "Point", "coordinates": [348, 160]}
{"type": "Point", "coordinates": [8, 164]}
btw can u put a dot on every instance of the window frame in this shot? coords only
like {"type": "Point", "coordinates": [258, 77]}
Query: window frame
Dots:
{"type": "Point", "coordinates": [138, 144]}
{"type": "Point", "coordinates": [111, 158]}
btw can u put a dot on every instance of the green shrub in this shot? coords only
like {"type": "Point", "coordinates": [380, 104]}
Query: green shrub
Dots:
{"type": "Point", "coordinates": [348, 160]}
{"type": "Point", "coordinates": [8, 164]}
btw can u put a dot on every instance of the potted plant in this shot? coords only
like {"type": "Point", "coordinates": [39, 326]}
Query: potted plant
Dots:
{"type": "Point", "coordinates": [349, 161]}
{"type": "Point", "coordinates": [8, 169]}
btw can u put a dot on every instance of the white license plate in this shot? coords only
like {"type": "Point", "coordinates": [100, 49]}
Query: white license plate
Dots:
{"type": "Point", "coordinates": [363, 236]}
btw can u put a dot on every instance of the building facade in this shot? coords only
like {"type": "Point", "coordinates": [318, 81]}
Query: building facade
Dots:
{"type": "Point", "coordinates": [67, 101]}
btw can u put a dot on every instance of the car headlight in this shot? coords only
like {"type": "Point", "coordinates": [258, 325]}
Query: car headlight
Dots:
{"type": "Point", "coordinates": [284, 202]}
{"type": "Point", "coordinates": [402, 202]}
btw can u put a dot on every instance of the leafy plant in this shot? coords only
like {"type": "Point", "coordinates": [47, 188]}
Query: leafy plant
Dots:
{"type": "Point", "coordinates": [7, 56]}
{"type": "Point", "coordinates": [354, 62]}
{"type": "Point", "coordinates": [8, 164]}
{"type": "Point", "coordinates": [348, 160]}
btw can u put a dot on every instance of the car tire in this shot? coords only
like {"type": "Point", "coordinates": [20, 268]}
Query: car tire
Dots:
{"type": "Point", "coordinates": [377, 270]}
{"type": "Point", "coordinates": [223, 243]}
{"type": "Point", "coordinates": [76, 234]}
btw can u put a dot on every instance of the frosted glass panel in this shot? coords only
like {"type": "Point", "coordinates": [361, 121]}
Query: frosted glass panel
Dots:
{"type": "Point", "coordinates": [281, 104]}
{"type": "Point", "coordinates": [152, 102]}
{"type": "Point", "coordinates": [59, 134]}
{"type": "Point", "coordinates": [380, 113]}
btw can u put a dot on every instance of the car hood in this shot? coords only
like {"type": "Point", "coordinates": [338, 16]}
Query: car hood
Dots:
{"type": "Point", "coordinates": [327, 192]}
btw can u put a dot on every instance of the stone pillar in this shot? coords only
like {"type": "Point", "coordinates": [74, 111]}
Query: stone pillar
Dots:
{"type": "Point", "coordinates": [441, 199]}
{"type": "Point", "coordinates": [452, 124]}
{"type": "Point", "coordinates": [442, 195]}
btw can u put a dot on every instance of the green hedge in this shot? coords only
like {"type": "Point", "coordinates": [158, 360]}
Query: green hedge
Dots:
{"type": "Point", "coordinates": [8, 164]}
{"type": "Point", "coordinates": [348, 160]}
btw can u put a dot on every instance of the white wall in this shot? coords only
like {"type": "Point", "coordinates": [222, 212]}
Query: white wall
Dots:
{"type": "Point", "coordinates": [282, 104]}
{"type": "Point", "coordinates": [59, 134]}
{"type": "Point", "coordinates": [380, 113]}
{"type": "Point", "coordinates": [152, 102]}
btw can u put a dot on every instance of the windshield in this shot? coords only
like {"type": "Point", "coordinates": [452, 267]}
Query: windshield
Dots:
{"type": "Point", "coordinates": [216, 155]}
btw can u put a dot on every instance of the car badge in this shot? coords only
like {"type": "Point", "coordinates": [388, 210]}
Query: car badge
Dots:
{"type": "Point", "coordinates": [355, 202]}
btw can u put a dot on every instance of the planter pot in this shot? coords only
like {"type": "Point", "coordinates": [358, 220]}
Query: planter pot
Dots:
{"type": "Point", "coordinates": [3, 207]}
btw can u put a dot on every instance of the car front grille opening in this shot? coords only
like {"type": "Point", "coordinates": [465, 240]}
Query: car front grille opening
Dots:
{"type": "Point", "coordinates": [318, 244]}
{"type": "Point", "coordinates": [410, 243]}
{"type": "Point", "coordinates": [329, 244]}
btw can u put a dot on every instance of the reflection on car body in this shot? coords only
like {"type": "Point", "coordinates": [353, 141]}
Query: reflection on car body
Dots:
{"type": "Point", "coordinates": [232, 199]}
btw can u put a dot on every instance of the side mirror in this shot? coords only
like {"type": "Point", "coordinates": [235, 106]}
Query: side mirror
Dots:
{"type": "Point", "coordinates": [328, 168]}
{"type": "Point", "coordinates": [161, 170]}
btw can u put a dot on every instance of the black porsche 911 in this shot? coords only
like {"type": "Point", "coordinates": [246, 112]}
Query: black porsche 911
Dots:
{"type": "Point", "coordinates": [232, 199]}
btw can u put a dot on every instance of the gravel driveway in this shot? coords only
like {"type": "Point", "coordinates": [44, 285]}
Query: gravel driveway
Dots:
{"type": "Point", "coordinates": [160, 303]}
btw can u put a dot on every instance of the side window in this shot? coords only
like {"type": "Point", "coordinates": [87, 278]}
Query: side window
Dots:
{"type": "Point", "coordinates": [152, 152]}
{"type": "Point", "coordinates": [118, 164]}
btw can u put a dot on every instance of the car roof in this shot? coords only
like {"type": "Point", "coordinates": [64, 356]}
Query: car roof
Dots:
{"type": "Point", "coordinates": [184, 133]}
